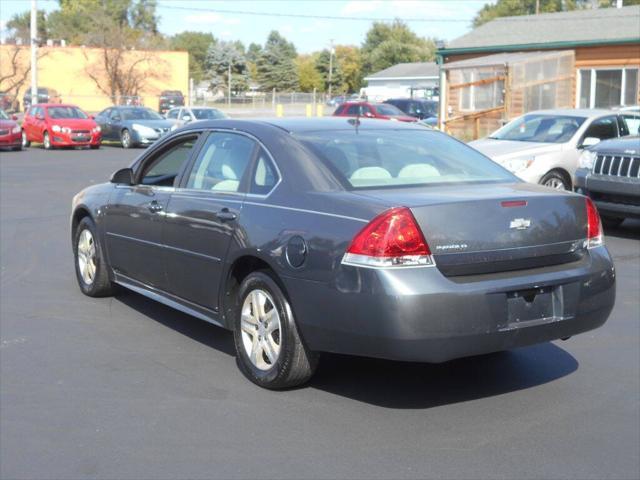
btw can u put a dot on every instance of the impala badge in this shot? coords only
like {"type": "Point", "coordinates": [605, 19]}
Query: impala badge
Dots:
{"type": "Point", "coordinates": [520, 223]}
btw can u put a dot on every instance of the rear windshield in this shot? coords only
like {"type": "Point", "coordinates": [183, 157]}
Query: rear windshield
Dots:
{"type": "Point", "coordinates": [140, 114]}
{"type": "Point", "coordinates": [392, 158]}
{"type": "Point", "coordinates": [540, 128]}
{"type": "Point", "coordinates": [65, 112]}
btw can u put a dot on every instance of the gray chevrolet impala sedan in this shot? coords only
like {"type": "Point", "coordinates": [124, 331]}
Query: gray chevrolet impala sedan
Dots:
{"type": "Point", "coordinates": [357, 236]}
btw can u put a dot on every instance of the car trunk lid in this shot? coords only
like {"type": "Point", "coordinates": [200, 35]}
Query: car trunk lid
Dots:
{"type": "Point", "coordinates": [491, 228]}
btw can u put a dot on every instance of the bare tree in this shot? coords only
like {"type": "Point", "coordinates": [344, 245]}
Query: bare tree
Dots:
{"type": "Point", "coordinates": [16, 71]}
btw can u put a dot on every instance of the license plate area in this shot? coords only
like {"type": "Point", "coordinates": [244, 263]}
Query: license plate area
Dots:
{"type": "Point", "coordinates": [534, 306]}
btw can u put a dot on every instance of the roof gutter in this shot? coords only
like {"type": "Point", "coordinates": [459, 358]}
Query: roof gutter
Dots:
{"type": "Point", "coordinates": [535, 46]}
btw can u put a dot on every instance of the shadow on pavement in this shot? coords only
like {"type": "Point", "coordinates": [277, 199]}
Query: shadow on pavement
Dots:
{"type": "Point", "coordinates": [419, 385]}
{"type": "Point", "coordinates": [394, 384]}
{"type": "Point", "coordinates": [629, 229]}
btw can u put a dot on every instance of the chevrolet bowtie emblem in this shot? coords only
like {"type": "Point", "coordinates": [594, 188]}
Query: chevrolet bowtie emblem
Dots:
{"type": "Point", "coordinates": [520, 223]}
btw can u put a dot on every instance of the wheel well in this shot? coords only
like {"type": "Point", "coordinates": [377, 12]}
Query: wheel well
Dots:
{"type": "Point", "coordinates": [240, 269]}
{"type": "Point", "coordinates": [565, 175]}
{"type": "Point", "coordinates": [78, 215]}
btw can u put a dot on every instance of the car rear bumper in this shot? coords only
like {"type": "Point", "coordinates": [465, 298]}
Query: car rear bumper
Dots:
{"type": "Point", "coordinates": [613, 195]}
{"type": "Point", "coordinates": [418, 314]}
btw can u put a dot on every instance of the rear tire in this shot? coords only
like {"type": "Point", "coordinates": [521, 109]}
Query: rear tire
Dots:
{"type": "Point", "coordinates": [46, 141]}
{"type": "Point", "coordinates": [555, 180]}
{"type": "Point", "coordinates": [269, 349]}
{"type": "Point", "coordinates": [25, 141]}
{"type": "Point", "coordinates": [92, 272]}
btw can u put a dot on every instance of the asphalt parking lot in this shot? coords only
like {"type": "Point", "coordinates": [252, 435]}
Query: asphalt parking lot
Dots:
{"type": "Point", "coordinates": [127, 388]}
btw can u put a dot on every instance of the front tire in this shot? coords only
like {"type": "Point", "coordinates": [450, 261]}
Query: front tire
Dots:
{"type": "Point", "coordinates": [555, 180]}
{"type": "Point", "coordinates": [269, 349]}
{"type": "Point", "coordinates": [125, 139]}
{"type": "Point", "coordinates": [91, 269]}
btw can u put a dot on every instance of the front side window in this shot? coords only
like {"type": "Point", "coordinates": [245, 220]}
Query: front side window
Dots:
{"type": "Point", "coordinates": [603, 128]}
{"type": "Point", "coordinates": [163, 169]}
{"type": "Point", "coordinates": [140, 114]}
{"type": "Point", "coordinates": [60, 113]}
{"type": "Point", "coordinates": [395, 158]}
{"type": "Point", "coordinates": [540, 129]}
{"type": "Point", "coordinates": [207, 113]}
{"type": "Point", "coordinates": [222, 162]}
{"type": "Point", "coordinates": [354, 110]}
{"type": "Point", "coordinates": [173, 114]}
{"type": "Point", "coordinates": [389, 110]}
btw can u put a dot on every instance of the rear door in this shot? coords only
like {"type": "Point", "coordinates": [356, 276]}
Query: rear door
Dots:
{"type": "Point", "coordinates": [136, 213]}
{"type": "Point", "coordinates": [202, 216]}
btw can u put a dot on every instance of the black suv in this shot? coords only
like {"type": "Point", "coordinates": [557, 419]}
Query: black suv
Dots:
{"type": "Point", "coordinates": [170, 99]}
{"type": "Point", "coordinates": [609, 173]}
{"type": "Point", "coordinates": [421, 109]}
{"type": "Point", "coordinates": [45, 95]}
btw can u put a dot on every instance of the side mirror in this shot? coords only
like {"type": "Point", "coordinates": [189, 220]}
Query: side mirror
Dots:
{"type": "Point", "coordinates": [589, 142]}
{"type": "Point", "coordinates": [92, 117]}
{"type": "Point", "coordinates": [124, 176]}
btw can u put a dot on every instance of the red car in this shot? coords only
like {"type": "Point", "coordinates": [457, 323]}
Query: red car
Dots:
{"type": "Point", "coordinates": [59, 125]}
{"type": "Point", "coordinates": [10, 133]}
{"type": "Point", "coordinates": [372, 110]}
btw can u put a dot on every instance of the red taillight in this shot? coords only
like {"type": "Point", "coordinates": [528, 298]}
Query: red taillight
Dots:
{"type": "Point", "coordinates": [594, 226]}
{"type": "Point", "coordinates": [393, 238]}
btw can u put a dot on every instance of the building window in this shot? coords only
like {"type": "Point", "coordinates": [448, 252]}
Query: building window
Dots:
{"type": "Point", "coordinates": [607, 87]}
{"type": "Point", "coordinates": [482, 96]}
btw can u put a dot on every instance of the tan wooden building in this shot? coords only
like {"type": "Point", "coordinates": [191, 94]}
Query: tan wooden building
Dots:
{"type": "Point", "coordinates": [512, 65]}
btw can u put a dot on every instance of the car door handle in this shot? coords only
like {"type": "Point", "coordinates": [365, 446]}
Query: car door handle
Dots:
{"type": "Point", "coordinates": [154, 207]}
{"type": "Point", "coordinates": [225, 215]}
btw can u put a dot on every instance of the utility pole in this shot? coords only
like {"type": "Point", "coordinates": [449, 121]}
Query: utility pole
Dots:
{"type": "Point", "coordinates": [229, 87]}
{"type": "Point", "coordinates": [34, 52]}
{"type": "Point", "coordinates": [330, 66]}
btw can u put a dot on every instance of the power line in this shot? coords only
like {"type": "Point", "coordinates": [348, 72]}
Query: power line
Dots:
{"type": "Point", "coordinates": [315, 17]}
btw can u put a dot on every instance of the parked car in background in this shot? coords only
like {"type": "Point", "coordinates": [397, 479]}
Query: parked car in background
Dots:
{"type": "Point", "coordinates": [335, 101]}
{"type": "Point", "coordinates": [370, 238]}
{"type": "Point", "coordinates": [10, 132]}
{"type": "Point", "coordinates": [45, 95]}
{"type": "Point", "coordinates": [132, 126]}
{"type": "Point", "coordinates": [183, 115]}
{"type": "Point", "coordinates": [609, 174]}
{"type": "Point", "coordinates": [425, 110]}
{"type": "Point", "coordinates": [544, 146]}
{"type": "Point", "coordinates": [9, 103]}
{"type": "Point", "coordinates": [170, 99]}
{"type": "Point", "coordinates": [372, 110]}
{"type": "Point", "coordinates": [59, 125]}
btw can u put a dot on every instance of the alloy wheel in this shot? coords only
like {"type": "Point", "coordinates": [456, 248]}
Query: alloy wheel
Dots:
{"type": "Point", "coordinates": [126, 139]}
{"type": "Point", "coordinates": [555, 183]}
{"type": "Point", "coordinates": [25, 142]}
{"type": "Point", "coordinates": [87, 256]}
{"type": "Point", "coordinates": [261, 329]}
{"type": "Point", "coordinates": [46, 141]}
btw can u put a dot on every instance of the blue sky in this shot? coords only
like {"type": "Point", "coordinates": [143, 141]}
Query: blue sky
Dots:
{"type": "Point", "coordinates": [448, 19]}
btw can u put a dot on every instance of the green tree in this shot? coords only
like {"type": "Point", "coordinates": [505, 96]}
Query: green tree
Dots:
{"type": "Point", "coordinates": [350, 61]}
{"type": "Point", "coordinates": [19, 27]}
{"type": "Point", "coordinates": [308, 75]}
{"type": "Point", "coordinates": [389, 44]}
{"type": "Point", "coordinates": [197, 44]}
{"type": "Point", "coordinates": [276, 66]}
{"type": "Point", "coordinates": [219, 56]}
{"type": "Point", "coordinates": [322, 66]}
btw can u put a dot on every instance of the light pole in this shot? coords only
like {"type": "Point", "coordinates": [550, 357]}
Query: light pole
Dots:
{"type": "Point", "coordinates": [229, 87]}
{"type": "Point", "coordinates": [330, 67]}
{"type": "Point", "coordinates": [34, 52]}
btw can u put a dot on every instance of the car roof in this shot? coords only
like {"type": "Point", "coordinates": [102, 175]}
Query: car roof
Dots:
{"type": "Point", "coordinates": [49, 105]}
{"type": "Point", "coordinates": [304, 124]}
{"type": "Point", "coordinates": [574, 112]}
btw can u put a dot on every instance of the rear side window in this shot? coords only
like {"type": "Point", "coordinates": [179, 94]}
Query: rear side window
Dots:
{"type": "Point", "coordinates": [222, 162]}
{"type": "Point", "coordinates": [265, 176]}
{"type": "Point", "coordinates": [603, 128]}
{"type": "Point", "coordinates": [173, 114]}
{"type": "Point", "coordinates": [394, 158]}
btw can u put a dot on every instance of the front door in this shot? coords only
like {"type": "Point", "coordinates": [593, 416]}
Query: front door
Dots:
{"type": "Point", "coordinates": [134, 218]}
{"type": "Point", "coordinates": [202, 217]}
